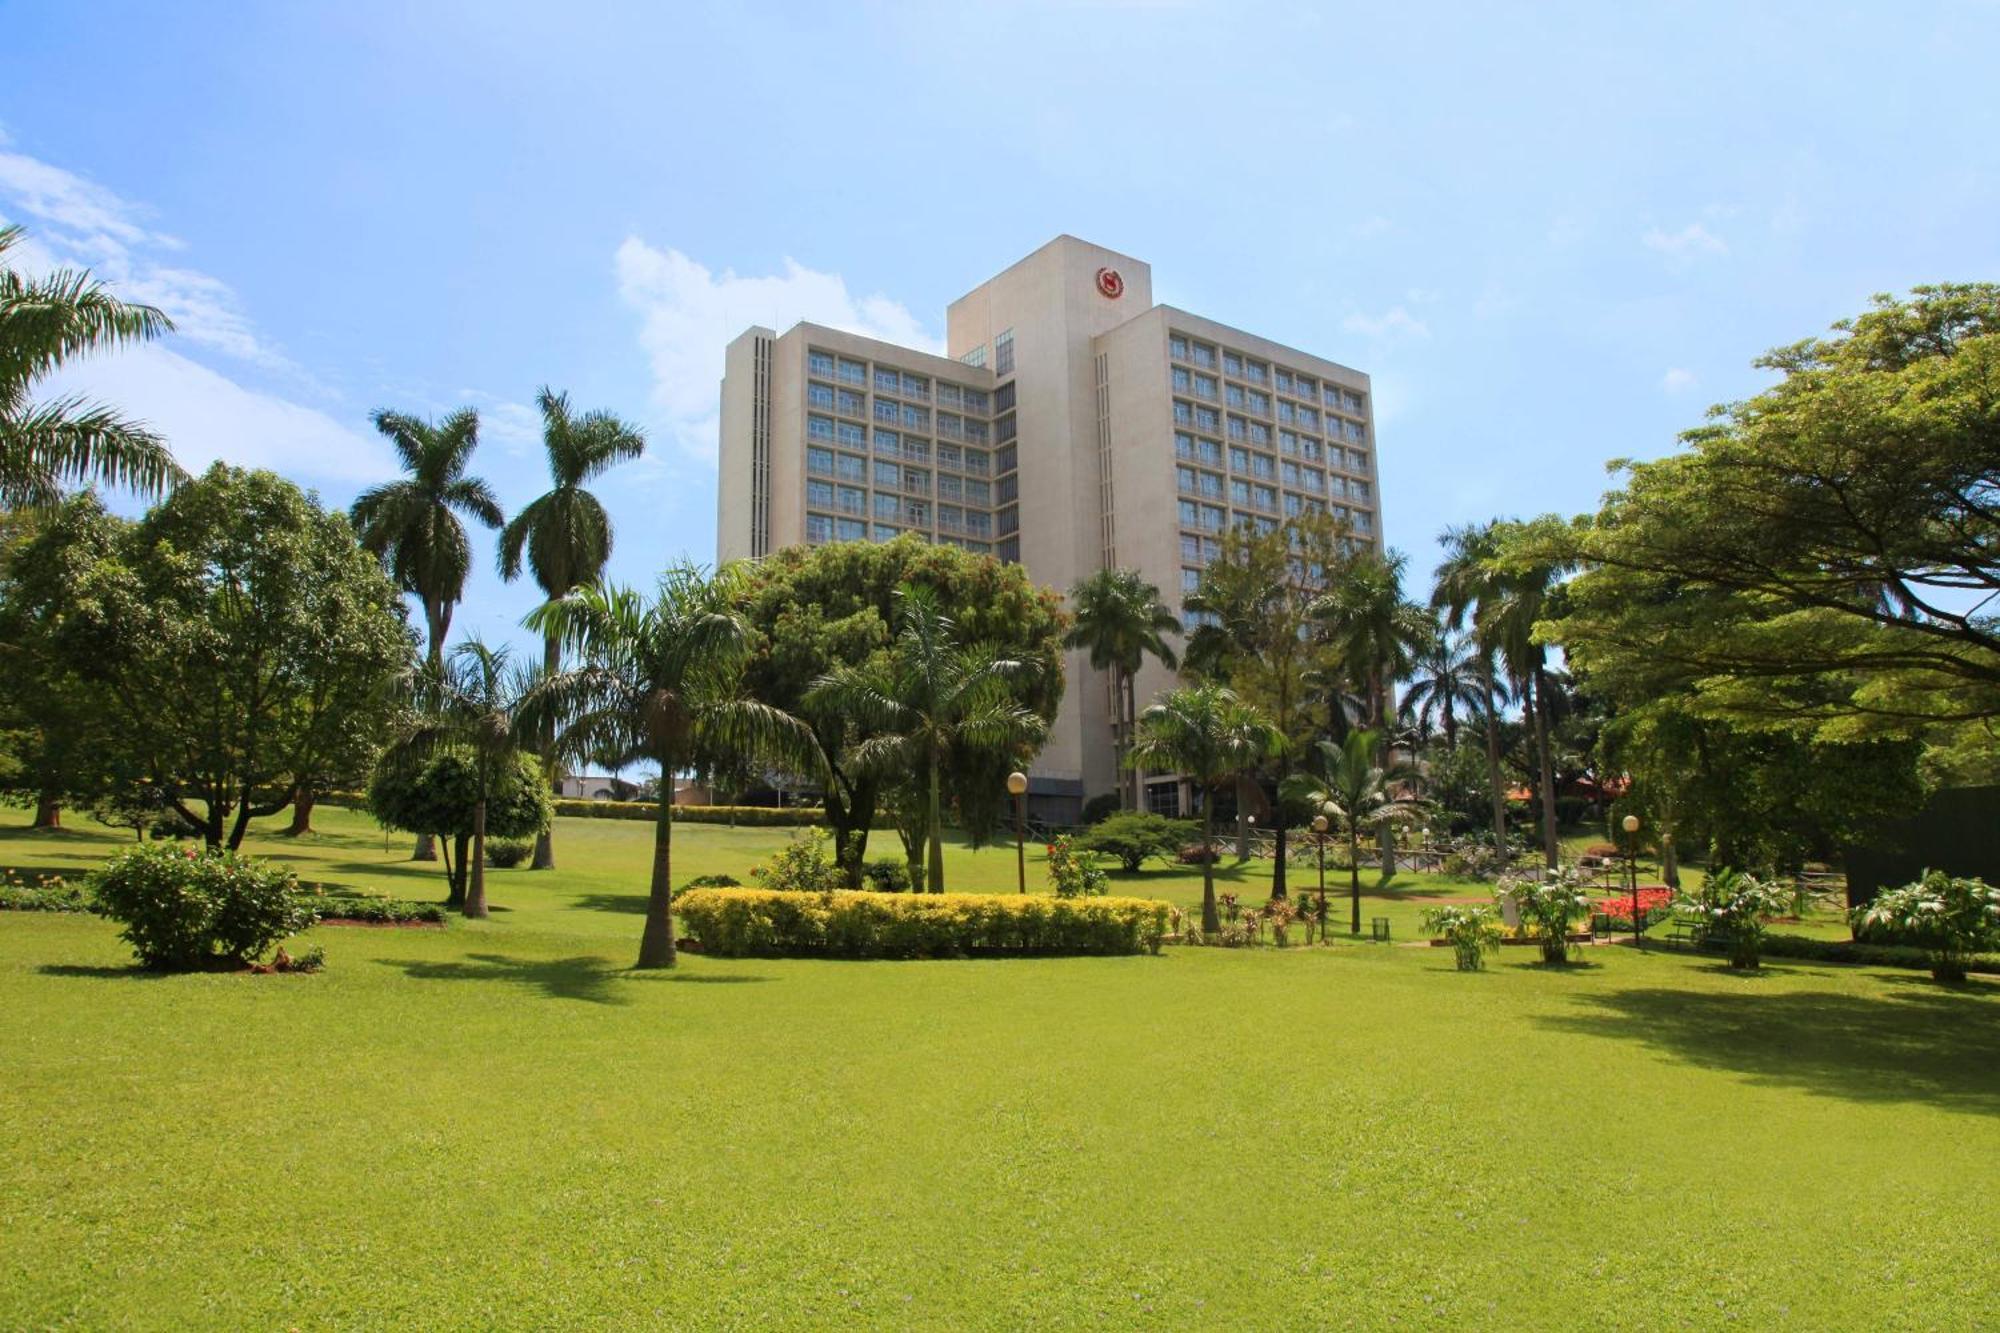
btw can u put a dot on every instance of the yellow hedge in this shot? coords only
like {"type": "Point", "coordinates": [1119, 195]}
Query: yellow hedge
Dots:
{"type": "Point", "coordinates": [767, 923]}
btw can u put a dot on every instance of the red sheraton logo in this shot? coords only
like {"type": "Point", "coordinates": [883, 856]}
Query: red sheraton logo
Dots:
{"type": "Point", "coordinates": [1110, 283]}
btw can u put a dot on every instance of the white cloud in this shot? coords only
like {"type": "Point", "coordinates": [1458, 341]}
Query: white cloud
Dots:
{"type": "Point", "coordinates": [1677, 380]}
{"type": "Point", "coordinates": [1686, 244]}
{"type": "Point", "coordinates": [1395, 322]}
{"type": "Point", "coordinates": [688, 314]}
{"type": "Point", "coordinates": [205, 417]}
{"type": "Point", "coordinates": [515, 427]}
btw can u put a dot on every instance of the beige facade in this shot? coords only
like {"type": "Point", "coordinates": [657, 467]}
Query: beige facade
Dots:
{"type": "Point", "coordinates": [1075, 426]}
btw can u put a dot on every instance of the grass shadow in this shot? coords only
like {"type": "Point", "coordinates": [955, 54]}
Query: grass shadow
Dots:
{"type": "Point", "coordinates": [122, 971]}
{"type": "Point", "coordinates": [614, 902]}
{"type": "Point", "coordinates": [1940, 1047]}
{"type": "Point", "coordinates": [581, 978]}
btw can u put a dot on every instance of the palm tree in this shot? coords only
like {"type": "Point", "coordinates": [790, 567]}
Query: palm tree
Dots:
{"type": "Point", "coordinates": [1121, 620]}
{"type": "Point", "coordinates": [1467, 587]}
{"type": "Point", "coordinates": [1524, 589]}
{"type": "Point", "coordinates": [1443, 679]}
{"type": "Point", "coordinates": [564, 534]}
{"type": "Point", "coordinates": [477, 702]}
{"type": "Point", "coordinates": [660, 680]}
{"type": "Point", "coordinates": [413, 525]}
{"type": "Point", "coordinates": [1356, 791]}
{"type": "Point", "coordinates": [1211, 736]}
{"type": "Point", "coordinates": [931, 699]}
{"type": "Point", "coordinates": [44, 322]}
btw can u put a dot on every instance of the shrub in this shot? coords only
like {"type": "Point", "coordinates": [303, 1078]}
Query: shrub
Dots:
{"type": "Point", "coordinates": [1471, 859]}
{"type": "Point", "coordinates": [1947, 917]}
{"type": "Point", "coordinates": [49, 893]}
{"type": "Point", "coordinates": [1198, 853]}
{"type": "Point", "coordinates": [888, 875]}
{"type": "Point", "coordinates": [306, 960]}
{"type": "Point", "coordinates": [1072, 874]}
{"type": "Point", "coordinates": [1100, 807]}
{"type": "Point", "coordinates": [184, 909]}
{"type": "Point", "coordinates": [1129, 837]}
{"type": "Point", "coordinates": [739, 923]}
{"type": "Point", "coordinates": [1549, 904]}
{"type": "Point", "coordinates": [800, 866]}
{"type": "Point", "coordinates": [1807, 949]}
{"type": "Point", "coordinates": [1473, 932]}
{"type": "Point", "coordinates": [1733, 906]}
{"type": "Point", "coordinates": [342, 905]}
{"type": "Point", "coordinates": [712, 882]}
{"type": "Point", "coordinates": [508, 852]}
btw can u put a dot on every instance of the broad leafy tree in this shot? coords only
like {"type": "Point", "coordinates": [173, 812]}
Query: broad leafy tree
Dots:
{"type": "Point", "coordinates": [932, 697]}
{"type": "Point", "coordinates": [49, 445]}
{"type": "Point", "coordinates": [1121, 621]}
{"type": "Point", "coordinates": [433, 790]}
{"type": "Point", "coordinates": [563, 536]}
{"type": "Point", "coordinates": [660, 679]}
{"type": "Point", "coordinates": [1210, 736]}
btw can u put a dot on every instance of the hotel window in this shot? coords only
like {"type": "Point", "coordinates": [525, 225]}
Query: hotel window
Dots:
{"type": "Point", "coordinates": [1264, 526]}
{"type": "Point", "coordinates": [1288, 443]}
{"type": "Point", "coordinates": [1309, 418]}
{"type": "Point", "coordinates": [1282, 381]}
{"type": "Point", "coordinates": [819, 528]}
{"type": "Point", "coordinates": [1004, 429]}
{"type": "Point", "coordinates": [1232, 364]}
{"type": "Point", "coordinates": [950, 395]}
{"type": "Point", "coordinates": [916, 418]}
{"type": "Point", "coordinates": [819, 395]}
{"type": "Point", "coordinates": [1354, 403]}
{"type": "Point", "coordinates": [1183, 445]}
{"type": "Point", "coordinates": [1357, 461]}
{"type": "Point", "coordinates": [1177, 347]}
{"type": "Point", "coordinates": [819, 494]}
{"type": "Point", "coordinates": [1239, 429]}
{"type": "Point", "coordinates": [1211, 485]}
{"type": "Point", "coordinates": [1356, 431]}
{"type": "Point", "coordinates": [1204, 355]}
{"type": "Point", "coordinates": [1309, 449]}
{"type": "Point", "coordinates": [1184, 480]}
{"type": "Point", "coordinates": [851, 500]}
{"type": "Point", "coordinates": [1289, 474]}
{"type": "Point", "coordinates": [978, 460]}
{"type": "Point", "coordinates": [1006, 459]}
{"type": "Point", "coordinates": [1233, 395]}
{"type": "Point", "coordinates": [916, 513]}
{"type": "Point", "coordinates": [888, 380]}
{"type": "Point", "coordinates": [978, 492]}
{"type": "Point", "coordinates": [1191, 548]}
{"type": "Point", "coordinates": [1209, 452]}
{"type": "Point", "coordinates": [1208, 419]}
{"type": "Point", "coordinates": [1260, 403]}
{"type": "Point", "coordinates": [1313, 480]}
{"type": "Point", "coordinates": [916, 386]}
{"type": "Point", "coordinates": [1267, 499]}
{"type": "Point", "coordinates": [1239, 491]}
{"type": "Point", "coordinates": [976, 357]}
{"type": "Point", "coordinates": [1183, 414]}
{"type": "Point", "coordinates": [884, 533]}
{"type": "Point", "coordinates": [851, 372]}
{"type": "Point", "coordinates": [916, 480]}
{"type": "Point", "coordinates": [1359, 490]}
{"type": "Point", "coordinates": [1003, 353]}
{"type": "Point", "coordinates": [1183, 381]}
{"type": "Point", "coordinates": [850, 530]}
{"type": "Point", "coordinates": [950, 455]}
{"type": "Point", "coordinates": [981, 525]}
{"type": "Point", "coordinates": [851, 434]}
{"type": "Point", "coordinates": [1338, 485]}
{"type": "Point", "coordinates": [819, 428]}
{"type": "Point", "coordinates": [887, 506]}
{"type": "Point", "coordinates": [1007, 488]}
{"type": "Point", "coordinates": [1262, 466]}
{"type": "Point", "coordinates": [1010, 550]}
{"type": "Point", "coordinates": [1204, 386]}
{"type": "Point", "coordinates": [1363, 520]}
{"type": "Point", "coordinates": [888, 474]}
{"type": "Point", "coordinates": [887, 411]}
{"type": "Point", "coordinates": [849, 468]}
{"type": "Point", "coordinates": [1315, 507]}
{"type": "Point", "coordinates": [1284, 411]}
{"type": "Point", "coordinates": [976, 430]}
{"type": "Point", "coordinates": [1256, 372]}
{"type": "Point", "coordinates": [886, 442]}
{"type": "Point", "coordinates": [820, 461]}
{"type": "Point", "coordinates": [1212, 517]}
{"type": "Point", "coordinates": [1260, 434]}
{"type": "Point", "coordinates": [976, 401]}
{"type": "Point", "coordinates": [1190, 513]}
{"type": "Point", "coordinates": [1307, 388]}
{"type": "Point", "coordinates": [850, 403]}
{"type": "Point", "coordinates": [1239, 459]}
{"type": "Point", "coordinates": [1294, 506]}
{"type": "Point", "coordinates": [950, 487]}
{"type": "Point", "coordinates": [820, 364]}
{"type": "Point", "coordinates": [1190, 579]}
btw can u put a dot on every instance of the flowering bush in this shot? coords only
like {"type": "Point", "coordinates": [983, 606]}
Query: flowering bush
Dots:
{"type": "Point", "coordinates": [184, 909]}
{"type": "Point", "coordinates": [759, 923]}
{"type": "Point", "coordinates": [1653, 904]}
{"type": "Point", "coordinates": [1473, 931]}
{"type": "Point", "coordinates": [1947, 917]}
{"type": "Point", "coordinates": [1073, 874]}
{"type": "Point", "coordinates": [1470, 858]}
{"type": "Point", "coordinates": [800, 866]}
{"type": "Point", "coordinates": [1733, 906]}
{"type": "Point", "coordinates": [1549, 903]}
{"type": "Point", "coordinates": [50, 893]}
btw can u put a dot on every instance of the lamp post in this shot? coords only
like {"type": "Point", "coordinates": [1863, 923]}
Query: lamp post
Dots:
{"type": "Point", "coordinates": [1631, 826]}
{"type": "Point", "coordinates": [1319, 836]}
{"type": "Point", "coordinates": [1017, 785]}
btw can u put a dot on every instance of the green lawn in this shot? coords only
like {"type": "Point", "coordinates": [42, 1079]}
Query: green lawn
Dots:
{"type": "Point", "coordinates": [495, 1124]}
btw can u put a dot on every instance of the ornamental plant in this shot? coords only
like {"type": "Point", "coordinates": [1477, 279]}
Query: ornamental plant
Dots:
{"type": "Point", "coordinates": [1473, 931]}
{"type": "Point", "coordinates": [1549, 903]}
{"type": "Point", "coordinates": [185, 909]}
{"type": "Point", "coordinates": [1943, 915]}
{"type": "Point", "coordinates": [800, 866]}
{"type": "Point", "coordinates": [1733, 906]}
{"type": "Point", "coordinates": [1073, 873]}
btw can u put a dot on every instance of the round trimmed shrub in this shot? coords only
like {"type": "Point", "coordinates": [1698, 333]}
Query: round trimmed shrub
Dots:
{"type": "Point", "coordinates": [185, 910]}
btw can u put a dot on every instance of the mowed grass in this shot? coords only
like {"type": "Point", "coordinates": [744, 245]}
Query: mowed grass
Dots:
{"type": "Point", "coordinates": [498, 1125]}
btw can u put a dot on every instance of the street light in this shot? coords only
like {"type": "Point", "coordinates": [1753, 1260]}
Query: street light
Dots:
{"type": "Point", "coordinates": [1017, 784]}
{"type": "Point", "coordinates": [1319, 836]}
{"type": "Point", "coordinates": [1631, 826]}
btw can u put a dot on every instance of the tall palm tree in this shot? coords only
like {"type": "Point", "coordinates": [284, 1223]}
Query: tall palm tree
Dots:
{"type": "Point", "coordinates": [1122, 621]}
{"type": "Point", "coordinates": [929, 700]}
{"type": "Point", "coordinates": [1467, 588]}
{"type": "Point", "coordinates": [1525, 586]}
{"type": "Point", "coordinates": [44, 322]}
{"type": "Point", "coordinates": [564, 534]}
{"type": "Point", "coordinates": [1213, 737]}
{"type": "Point", "coordinates": [477, 702]}
{"type": "Point", "coordinates": [661, 680]}
{"type": "Point", "coordinates": [1443, 680]}
{"type": "Point", "coordinates": [413, 525]}
{"type": "Point", "coordinates": [1357, 791]}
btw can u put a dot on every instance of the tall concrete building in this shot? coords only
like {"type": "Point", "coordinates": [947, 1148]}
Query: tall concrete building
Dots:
{"type": "Point", "coordinates": [1073, 426]}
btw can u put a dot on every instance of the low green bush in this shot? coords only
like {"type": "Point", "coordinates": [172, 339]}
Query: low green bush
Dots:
{"type": "Point", "coordinates": [712, 882]}
{"type": "Point", "coordinates": [1131, 836]}
{"type": "Point", "coordinates": [49, 893]}
{"type": "Point", "coordinates": [802, 865]}
{"type": "Point", "coordinates": [762, 923]}
{"type": "Point", "coordinates": [333, 905]}
{"type": "Point", "coordinates": [1805, 948]}
{"type": "Point", "coordinates": [886, 874]}
{"type": "Point", "coordinates": [506, 853]}
{"type": "Point", "coordinates": [183, 909]}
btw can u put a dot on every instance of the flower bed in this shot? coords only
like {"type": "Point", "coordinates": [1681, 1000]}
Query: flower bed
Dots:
{"type": "Point", "coordinates": [763, 923]}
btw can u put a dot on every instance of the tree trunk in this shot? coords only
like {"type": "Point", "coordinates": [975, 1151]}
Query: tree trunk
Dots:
{"type": "Point", "coordinates": [1385, 837]}
{"type": "Point", "coordinates": [1354, 877]}
{"type": "Point", "coordinates": [242, 823]}
{"type": "Point", "coordinates": [934, 879]}
{"type": "Point", "coordinates": [1211, 920]}
{"type": "Point", "coordinates": [1278, 870]}
{"type": "Point", "coordinates": [475, 894]}
{"type": "Point", "coordinates": [1551, 843]}
{"type": "Point", "coordinates": [426, 848]}
{"type": "Point", "coordinates": [302, 812]}
{"type": "Point", "coordinates": [656, 945]}
{"type": "Point", "coordinates": [1498, 794]}
{"type": "Point", "coordinates": [545, 841]}
{"type": "Point", "coordinates": [454, 872]}
{"type": "Point", "coordinates": [48, 812]}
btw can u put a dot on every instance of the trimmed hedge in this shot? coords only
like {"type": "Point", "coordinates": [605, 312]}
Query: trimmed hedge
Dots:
{"type": "Point", "coordinates": [1808, 949]}
{"type": "Point", "coordinates": [374, 911]}
{"type": "Point", "coordinates": [67, 898]}
{"type": "Point", "coordinates": [765, 923]}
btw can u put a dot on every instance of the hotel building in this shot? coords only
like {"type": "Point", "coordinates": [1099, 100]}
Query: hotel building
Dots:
{"type": "Point", "coordinates": [1073, 425]}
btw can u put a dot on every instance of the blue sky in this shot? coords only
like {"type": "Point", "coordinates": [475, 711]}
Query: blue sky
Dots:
{"type": "Point", "coordinates": [1552, 236]}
